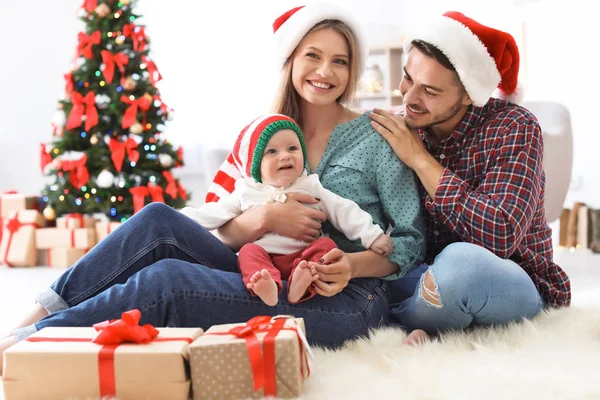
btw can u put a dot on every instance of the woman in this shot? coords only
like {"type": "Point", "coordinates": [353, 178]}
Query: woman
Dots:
{"type": "Point", "coordinates": [179, 274]}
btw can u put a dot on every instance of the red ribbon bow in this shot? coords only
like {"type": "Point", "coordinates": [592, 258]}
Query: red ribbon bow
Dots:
{"type": "Point", "coordinates": [79, 174]}
{"type": "Point", "coordinates": [86, 42]}
{"type": "Point", "coordinates": [173, 187]}
{"type": "Point", "coordinates": [118, 150]}
{"type": "Point", "coordinates": [109, 59]}
{"type": "Point", "coordinates": [153, 75]}
{"type": "Point", "coordinates": [89, 5]}
{"type": "Point", "coordinates": [69, 86]}
{"type": "Point", "coordinates": [179, 161]}
{"type": "Point", "coordinates": [137, 35]}
{"type": "Point", "coordinates": [130, 115]}
{"type": "Point", "coordinates": [13, 225]}
{"type": "Point", "coordinates": [45, 158]}
{"type": "Point", "coordinates": [126, 329]}
{"type": "Point", "coordinates": [140, 193]}
{"type": "Point", "coordinates": [83, 105]}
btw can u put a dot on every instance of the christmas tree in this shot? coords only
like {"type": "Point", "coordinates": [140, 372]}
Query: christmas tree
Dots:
{"type": "Point", "coordinates": [108, 152]}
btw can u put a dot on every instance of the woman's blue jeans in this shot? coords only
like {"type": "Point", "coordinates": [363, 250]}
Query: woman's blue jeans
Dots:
{"type": "Point", "coordinates": [468, 286]}
{"type": "Point", "coordinates": [179, 275]}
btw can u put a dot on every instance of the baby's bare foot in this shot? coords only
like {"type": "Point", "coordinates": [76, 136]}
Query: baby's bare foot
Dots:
{"type": "Point", "coordinates": [263, 285]}
{"type": "Point", "coordinates": [416, 337]}
{"type": "Point", "coordinates": [303, 277]}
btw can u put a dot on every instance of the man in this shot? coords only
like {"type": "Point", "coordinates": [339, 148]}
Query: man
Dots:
{"type": "Point", "coordinates": [479, 160]}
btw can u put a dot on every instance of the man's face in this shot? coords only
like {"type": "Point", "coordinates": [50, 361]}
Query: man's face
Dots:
{"type": "Point", "coordinates": [433, 95]}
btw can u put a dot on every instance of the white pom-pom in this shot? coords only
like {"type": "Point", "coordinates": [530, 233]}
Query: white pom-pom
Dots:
{"type": "Point", "coordinates": [516, 97]}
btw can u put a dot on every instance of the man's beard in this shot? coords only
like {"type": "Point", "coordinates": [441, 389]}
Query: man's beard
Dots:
{"type": "Point", "coordinates": [439, 119]}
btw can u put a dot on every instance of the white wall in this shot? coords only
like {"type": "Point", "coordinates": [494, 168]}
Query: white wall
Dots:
{"type": "Point", "coordinates": [214, 98]}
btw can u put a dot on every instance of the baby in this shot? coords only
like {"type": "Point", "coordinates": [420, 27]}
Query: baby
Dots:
{"type": "Point", "coordinates": [271, 153]}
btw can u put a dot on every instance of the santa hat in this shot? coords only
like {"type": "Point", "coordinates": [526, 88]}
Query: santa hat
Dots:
{"type": "Point", "coordinates": [485, 58]}
{"type": "Point", "coordinates": [246, 156]}
{"type": "Point", "coordinates": [290, 28]}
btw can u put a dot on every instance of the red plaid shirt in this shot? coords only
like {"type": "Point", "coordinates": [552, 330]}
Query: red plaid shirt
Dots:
{"type": "Point", "coordinates": [491, 193]}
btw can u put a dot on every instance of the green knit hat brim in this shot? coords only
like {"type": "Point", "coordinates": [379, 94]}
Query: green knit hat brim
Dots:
{"type": "Point", "coordinates": [264, 138]}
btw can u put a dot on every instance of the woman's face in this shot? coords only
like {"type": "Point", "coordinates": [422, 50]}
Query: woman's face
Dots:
{"type": "Point", "coordinates": [321, 67]}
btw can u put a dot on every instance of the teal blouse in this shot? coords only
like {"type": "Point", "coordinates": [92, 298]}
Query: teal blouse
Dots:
{"type": "Point", "coordinates": [359, 164]}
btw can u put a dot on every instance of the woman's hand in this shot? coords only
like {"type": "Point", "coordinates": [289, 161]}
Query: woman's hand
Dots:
{"type": "Point", "coordinates": [294, 219]}
{"type": "Point", "coordinates": [334, 270]}
{"type": "Point", "coordinates": [405, 142]}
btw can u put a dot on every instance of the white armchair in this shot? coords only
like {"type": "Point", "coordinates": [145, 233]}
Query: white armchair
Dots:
{"type": "Point", "coordinates": [555, 121]}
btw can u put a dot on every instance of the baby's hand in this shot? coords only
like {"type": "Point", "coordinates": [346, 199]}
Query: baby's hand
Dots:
{"type": "Point", "coordinates": [382, 245]}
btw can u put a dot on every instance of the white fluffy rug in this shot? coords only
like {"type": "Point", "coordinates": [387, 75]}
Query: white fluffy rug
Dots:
{"type": "Point", "coordinates": [554, 356]}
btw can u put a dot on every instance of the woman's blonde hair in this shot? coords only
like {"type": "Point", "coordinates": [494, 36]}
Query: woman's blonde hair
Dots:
{"type": "Point", "coordinates": [287, 100]}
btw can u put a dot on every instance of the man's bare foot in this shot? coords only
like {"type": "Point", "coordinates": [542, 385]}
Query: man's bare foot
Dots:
{"type": "Point", "coordinates": [5, 344]}
{"type": "Point", "coordinates": [418, 336]}
{"type": "Point", "coordinates": [263, 285]}
{"type": "Point", "coordinates": [301, 280]}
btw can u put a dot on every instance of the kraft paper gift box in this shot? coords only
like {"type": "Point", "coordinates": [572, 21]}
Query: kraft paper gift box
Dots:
{"type": "Point", "coordinates": [221, 367]}
{"type": "Point", "coordinates": [17, 247]}
{"type": "Point", "coordinates": [103, 228]}
{"type": "Point", "coordinates": [61, 257]}
{"type": "Point", "coordinates": [64, 363]}
{"type": "Point", "coordinates": [16, 202]}
{"type": "Point", "coordinates": [81, 238]}
{"type": "Point", "coordinates": [74, 221]}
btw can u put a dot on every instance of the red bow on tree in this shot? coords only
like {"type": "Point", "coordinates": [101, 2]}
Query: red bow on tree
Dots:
{"type": "Point", "coordinates": [109, 59]}
{"type": "Point", "coordinates": [156, 193]}
{"type": "Point", "coordinates": [126, 329]}
{"type": "Point", "coordinates": [118, 150]}
{"type": "Point", "coordinates": [45, 158]}
{"type": "Point", "coordinates": [130, 115]}
{"type": "Point", "coordinates": [69, 83]}
{"type": "Point", "coordinates": [82, 104]}
{"type": "Point", "coordinates": [78, 172]}
{"type": "Point", "coordinates": [173, 188]}
{"type": "Point", "coordinates": [137, 34]}
{"type": "Point", "coordinates": [179, 161]}
{"type": "Point", "coordinates": [153, 73]}
{"type": "Point", "coordinates": [89, 5]}
{"type": "Point", "coordinates": [86, 42]}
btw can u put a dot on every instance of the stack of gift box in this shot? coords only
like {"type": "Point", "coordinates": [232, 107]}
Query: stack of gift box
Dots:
{"type": "Point", "coordinates": [264, 357]}
{"type": "Point", "coordinates": [25, 241]}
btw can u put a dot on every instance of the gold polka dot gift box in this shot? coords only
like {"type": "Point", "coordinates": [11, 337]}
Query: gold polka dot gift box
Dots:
{"type": "Point", "coordinates": [262, 357]}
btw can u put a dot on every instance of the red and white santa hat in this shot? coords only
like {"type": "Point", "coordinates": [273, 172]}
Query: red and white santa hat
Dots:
{"type": "Point", "coordinates": [246, 156]}
{"type": "Point", "coordinates": [486, 59]}
{"type": "Point", "coordinates": [290, 28]}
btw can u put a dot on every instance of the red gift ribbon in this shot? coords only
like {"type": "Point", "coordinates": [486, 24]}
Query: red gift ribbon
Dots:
{"type": "Point", "coordinates": [45, 158]}
{"type": "Point", "coordinates": [77, 217]}
{"type": "Point", "coordinates": [130, 115]}
{"type": "Point", "coordinates": [111, 334]}
{"type": "Point", "coordinates": [118, 150]}
{"type": "Point", "coordinates": [86, 42]}
{"type": "Point", "coordinates": [264, 369]}
{"type": "Point", "coordinates": [109, 59]}
{"type": "Point", "coordinates": [83, 105]}
{"type": "Point", "coordinates": [13, 225]}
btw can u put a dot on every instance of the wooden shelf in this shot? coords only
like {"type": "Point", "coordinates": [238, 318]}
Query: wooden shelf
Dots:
{"type": "Point", "coordinates": [390, 61]}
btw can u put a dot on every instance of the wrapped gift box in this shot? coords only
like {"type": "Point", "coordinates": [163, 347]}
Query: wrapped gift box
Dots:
{"type": "Point", "coordinates": [103, 228]}
{"type": "Point", "coordinates": [74, 221]}
{"type": "Point", "coordinates": [16, 202]}
{"type": "Point", "coordinates": [61, 257]}
{"type": "Point", "coordinates": [221, 366]}
{"type": "Point", "coordinates": [64, 363]}
{"type": "Point", "coordinates": [81, 238]}
{"type": "Point", "coordinates": [18, 247]}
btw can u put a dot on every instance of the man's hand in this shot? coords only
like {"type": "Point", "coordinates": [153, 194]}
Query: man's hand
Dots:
{"type": "Point", "coordinates": [405, 142]}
